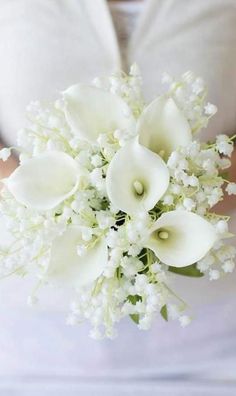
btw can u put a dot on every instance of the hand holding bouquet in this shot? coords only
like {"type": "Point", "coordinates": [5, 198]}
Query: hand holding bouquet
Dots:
{"type": "Point", "coordinates": [113, 195]}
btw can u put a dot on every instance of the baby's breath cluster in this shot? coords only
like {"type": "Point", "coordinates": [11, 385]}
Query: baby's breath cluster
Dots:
{"type": "Point", "coordinates": [190, 93]}
{"type": "Point", "coordinates": [111, 201]}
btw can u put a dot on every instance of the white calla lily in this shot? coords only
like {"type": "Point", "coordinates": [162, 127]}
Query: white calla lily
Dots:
{"type": "Point", "coordinates": [180, 238]}
{"type": "Point", "coordinates": [44, 181]}
{"type": "Point", "coordinates": [91, 111]}
{"type": "Point", "coordinates": [163, 128]}
{"type": "Point", "coordinates": [136, 178]}
{"type": "Point", "coordinates": [67, 268]}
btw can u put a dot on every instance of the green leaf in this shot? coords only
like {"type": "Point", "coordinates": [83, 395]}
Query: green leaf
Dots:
{"type": "Point", "coordinates": [143, 256]}
{"type": "Point", "coordinates": [135, 318]}
{"type": "Point", "coordinates": [104, 204]}
{"type": "Point", "coordinates": [164, 312]}
{"type": "Point", "coordinates": [119, 273]}
{"type": "Point", "coordinates": [225, 175]}
{"type": "Point", "coordinates": [191, 270]}
{"type": "Point", "coordinates": [134, 299]}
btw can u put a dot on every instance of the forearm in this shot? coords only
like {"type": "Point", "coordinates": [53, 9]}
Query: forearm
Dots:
{"type": "Point", "coordinates": [7, 167]}
{"type": "Point", "coordinates": [229, 202]}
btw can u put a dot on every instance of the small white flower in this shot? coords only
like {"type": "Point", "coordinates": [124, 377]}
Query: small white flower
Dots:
{"type": "Point", "coordinates": [86, 233]}
{"type": "Point", "coordinates": [156, 267]}
{"type": "Point", "coordinates": [135, 70]}
{"type": "Point", "coordinates": [110, 269]}
{"type": "Point", "coordinates": [231, 188]}
{"type": "Point", "coordinates": [193, 181]}
{"type": "Point", "coordinates": [224, 163]}
{"type": "Point", "coordinates": [131, 265]}
{"type": "Point", "coordinates": [222, 226]}
{"type": "Point", "coordinates": [189, 204]}
{"type": "Point", "coordinates": [209, 166]}
{"type": "Point", "coordinates": [105, 219]}
{"type": "Point", "coordinates": [145, 323]}
{"type": "Point", "coordinates": [175, 189]}
{"type": "Point", "coordinates": [184, 320]}
{"type": "Point", "coordinates": [96, 160]}
{"type": "Point", "coordinates": [173, 160]}
{"type": "Point", "coordinates": [225, 252]}
{"type": "Point", "coordinates": [173, 311]}
{"type": "Point", "coordinates": [210, 109]}
{"type": "Point", "coordinates": [198, 86]}
{"type": "Point", "coordinates": [134, 250]}
{"type": "Point", "coordinates": [228, 266]}
{"type": "Point", "coordinates": [96, 177]}
{"type": "Point", "coordinates": [205, 263]}
{"type": "Point", "coordinates": [168, 199]}
{"type": "Point", "coordinates": [215, 196]}
{"type": "Point", "coordinates": [128, 308]}
{"type": "Point", "coordinates": [5, 153]}
{"type": "Point", "coordinates": [224, 145]}
{"type": "Point", "coordinates": [214, 274]}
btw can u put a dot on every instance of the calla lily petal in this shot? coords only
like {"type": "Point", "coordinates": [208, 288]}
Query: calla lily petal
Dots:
{"type": "Point", "coordinates": [136, 178]}
{"type": "Point", "coordinates": [44, 181]}
{"type": "Point", "coordinates": [163, 128]}
{"type": "Point", "coordinates": [180, 238]}
{"type": "Point", "coordinates": [91, 111]}
{"type": "Point", "coordinates": [66, 268]}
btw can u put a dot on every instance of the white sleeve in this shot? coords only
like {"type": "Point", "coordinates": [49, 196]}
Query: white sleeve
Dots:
{"type": "Point", "coordinates": [180, 35]}
{"type": "Point", "coordinates": [46, 46]}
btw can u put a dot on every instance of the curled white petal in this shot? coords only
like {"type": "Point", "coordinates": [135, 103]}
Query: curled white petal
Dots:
{"type": "Point", "coordinates": [67, 268]}
{"type": "Point", "coordinates": [91, 111]}
{"type": "Point", "coordinates": [136, 178]}
{"type": "Point", "coordinates": [44, 181]}
{"type": "Point", "coordinates": [163, 128]}
{"type": "Point", "coordinates": [180, 238]}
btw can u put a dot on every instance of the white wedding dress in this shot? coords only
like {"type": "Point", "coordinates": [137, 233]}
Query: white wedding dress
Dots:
{"type": "Point", "coordinates": [46, 46]}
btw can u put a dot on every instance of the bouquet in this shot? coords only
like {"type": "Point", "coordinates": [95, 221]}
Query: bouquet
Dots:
{"type": "Point", "coordinates": [113, 195]}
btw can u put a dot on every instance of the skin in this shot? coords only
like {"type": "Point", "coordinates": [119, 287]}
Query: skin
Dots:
{"type": "Point", "coordinates": [229, 202]}
{"type": "Point", "coordinates": [7, 167]}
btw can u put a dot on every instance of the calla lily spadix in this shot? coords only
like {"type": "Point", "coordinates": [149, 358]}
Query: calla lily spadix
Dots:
{"type": "Point", "coordinates": [163, 128]}
{"type": "Point", "coordinates": [66, 267]}
{"type": "Point", "coordinates": [136, 178]}
{"type": "Point", "coordinates": [44, 181]}
{"type": "Point", "coordinates": [180, 238]}
{"type": "Point", "coordinates": [91, 111]}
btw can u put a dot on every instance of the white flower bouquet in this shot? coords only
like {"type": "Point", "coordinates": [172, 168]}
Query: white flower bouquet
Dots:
{"type": "Point", "coordinates": [112, 196]}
